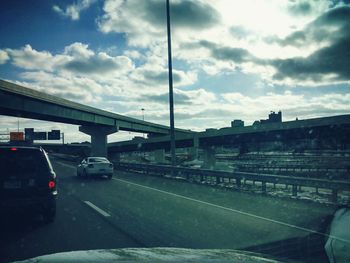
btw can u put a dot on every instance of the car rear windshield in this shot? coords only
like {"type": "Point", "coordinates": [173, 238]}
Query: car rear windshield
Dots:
{"type": "Point", "coordinates": [97, 160]}
{"type": "Point", "coordinates": [22, 162]}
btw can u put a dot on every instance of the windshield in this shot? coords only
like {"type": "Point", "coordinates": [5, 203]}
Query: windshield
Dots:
{"type": "Point", "coordinates": [214, 125]}
{"type": "Point", "coordinates": [97, 160]}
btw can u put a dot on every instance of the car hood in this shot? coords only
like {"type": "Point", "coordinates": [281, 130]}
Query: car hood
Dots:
{"type": "Point", "coordinates": [152, 255]}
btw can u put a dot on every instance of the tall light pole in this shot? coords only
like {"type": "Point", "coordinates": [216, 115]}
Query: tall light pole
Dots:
{"type": "Point", "coordinates": [171, 94]}
{"type": "Point", "coordinates": [143, 114]}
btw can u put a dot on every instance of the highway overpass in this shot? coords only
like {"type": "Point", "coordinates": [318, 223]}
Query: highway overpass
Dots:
{"type": "Point", "coordinates": [19, 101]}
{"type": "Point", "coordinates": [330, 128]}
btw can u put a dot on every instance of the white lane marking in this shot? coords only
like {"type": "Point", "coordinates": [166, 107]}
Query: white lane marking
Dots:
{"type": "Point", "coordinates": [97, 209]}
{"type": "Point", "coordinates": [233, 210]}
{"type": "Point", "coordinates": [228, 209]}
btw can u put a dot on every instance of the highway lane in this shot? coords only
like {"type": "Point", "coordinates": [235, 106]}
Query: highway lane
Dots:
{"type": "Point", "coordinates": [77, 227]}
{"type": "Point", "coordinates": [134, 210]}
{"type": "Point", "coordinates": [160, 212]}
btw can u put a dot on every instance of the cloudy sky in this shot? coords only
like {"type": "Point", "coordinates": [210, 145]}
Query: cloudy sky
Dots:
{"type": "Point", "coordinates": [232, 59]}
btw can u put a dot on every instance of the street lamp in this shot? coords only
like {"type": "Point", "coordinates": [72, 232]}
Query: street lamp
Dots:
{"type": "Point", "coordinates": [171, 95]}
{"type": "Point", "coordinates": [143, 114]}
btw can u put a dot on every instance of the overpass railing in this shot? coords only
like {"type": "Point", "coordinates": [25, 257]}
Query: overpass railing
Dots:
{"type": "Point", "coordinates": [218, 177]}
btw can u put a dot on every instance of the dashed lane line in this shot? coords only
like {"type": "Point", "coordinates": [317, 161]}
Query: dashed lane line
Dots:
{"type": "Point", "coordinates": [97, 209]}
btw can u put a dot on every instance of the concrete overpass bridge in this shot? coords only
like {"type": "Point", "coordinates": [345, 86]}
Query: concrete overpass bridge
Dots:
{"type": "Point", "coordinates": [19, 101]}
{"type": "Point", "coordinates": [332, 130]}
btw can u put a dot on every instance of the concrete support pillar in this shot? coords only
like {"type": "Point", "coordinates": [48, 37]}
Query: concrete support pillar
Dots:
{"type": "Point", "coordinates": [159, 156]}
{"type": "Point", "coordinates": [193, 151]}
{"type": "Point", "coordinates": [98, 138]}
{"type": "Point", "coordinates": [209, 158]}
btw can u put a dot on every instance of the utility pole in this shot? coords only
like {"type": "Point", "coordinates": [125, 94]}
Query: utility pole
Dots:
{"type": "Point", "coordinates": [143, 114]}
{"type": "Point", "coordinates": [171, 94]}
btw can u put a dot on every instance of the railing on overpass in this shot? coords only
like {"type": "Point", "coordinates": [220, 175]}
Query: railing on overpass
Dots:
{"type": "Point", "coordinates": [203, 175]}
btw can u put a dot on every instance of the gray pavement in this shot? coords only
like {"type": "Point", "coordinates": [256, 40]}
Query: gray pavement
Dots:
{"type": "Point", "coordinates": [137, 211]}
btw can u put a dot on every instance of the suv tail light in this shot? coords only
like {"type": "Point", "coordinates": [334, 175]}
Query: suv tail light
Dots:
{"type": "Point", "coordinates": [52, 184]}
{"type": "Point", "coordinates": [91, 165]}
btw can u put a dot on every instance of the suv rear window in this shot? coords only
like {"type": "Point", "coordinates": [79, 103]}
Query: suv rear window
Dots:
{"type": "Point", "coordinates": [97, 160]}
{"type": "Point", "coordinates": [23, 162]}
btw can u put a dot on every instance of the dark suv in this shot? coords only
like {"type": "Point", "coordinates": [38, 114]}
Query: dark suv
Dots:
{"type": "Point", "coordinates": [27, 181]}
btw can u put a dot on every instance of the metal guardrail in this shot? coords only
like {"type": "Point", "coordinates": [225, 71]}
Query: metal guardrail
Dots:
{"type": "Point", "coordinates": [202, 174]}
{"type": "Point", "coordinates": [325, 172]}
{"type": "Point", "coordinates": [306, 167]}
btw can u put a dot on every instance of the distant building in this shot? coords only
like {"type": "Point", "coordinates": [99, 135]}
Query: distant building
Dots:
{"type": "Point", "coordinates": [273, 118]}
{"type": "Point", "coordinates": [255, 123]}
{"type": "Point", "coordinates": [237, 123]}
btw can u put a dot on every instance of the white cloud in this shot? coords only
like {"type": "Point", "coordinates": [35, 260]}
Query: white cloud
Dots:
{"type": "Point", "coordinates": [287, 101]}
{"type": "Point", "coordinates": [86, 76]}
{"type": "Point", "coordinates": [157, 76]}
{"type": "Point", "coordinates": [73, 11]}
{"type": "Point", "coordinates": [100, 63]}
{"type": "Point", "coordinates": [250, 25]}
{"type": "Point", "coordinates": [257, 18]}
{"type": "Point", "coordinates": [148, 23]}
{"type": "Point", "coordinates": [220, 111]}
{"type": "Point", "coordinates": [78, 49]}
{"type": "Point", "coordinates": [79, 89]}
{"type": "Point", "coordinates": [3, 57]}
{"type": "Point", "coordinates": [77, 58]}
{"type": "Point", "coordinates": [293, 105]}
{"type": "Point", "coordinates": [134, 54]}
{"type": "Point", "coordinates": [125, 88]}
{"type": "Point", "coordinates": [29, 58]}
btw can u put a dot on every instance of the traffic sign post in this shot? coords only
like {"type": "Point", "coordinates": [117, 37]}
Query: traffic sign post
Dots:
{"type": "Point", "coordinates": [29, 134]}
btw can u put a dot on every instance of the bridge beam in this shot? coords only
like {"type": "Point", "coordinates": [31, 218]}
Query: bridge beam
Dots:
{"type": "Point", "coordinates": [98, 138]}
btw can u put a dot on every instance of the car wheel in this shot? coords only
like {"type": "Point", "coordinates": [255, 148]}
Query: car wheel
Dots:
{"type": "Point", "coordinates": [110, 176]}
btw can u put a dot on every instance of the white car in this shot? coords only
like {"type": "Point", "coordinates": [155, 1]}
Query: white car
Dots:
{"type": "Point", "coordinates": [92, 166]}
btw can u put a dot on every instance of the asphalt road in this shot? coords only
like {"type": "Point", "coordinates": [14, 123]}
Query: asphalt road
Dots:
{"type": "Point", "coordinates": [137, 211]}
